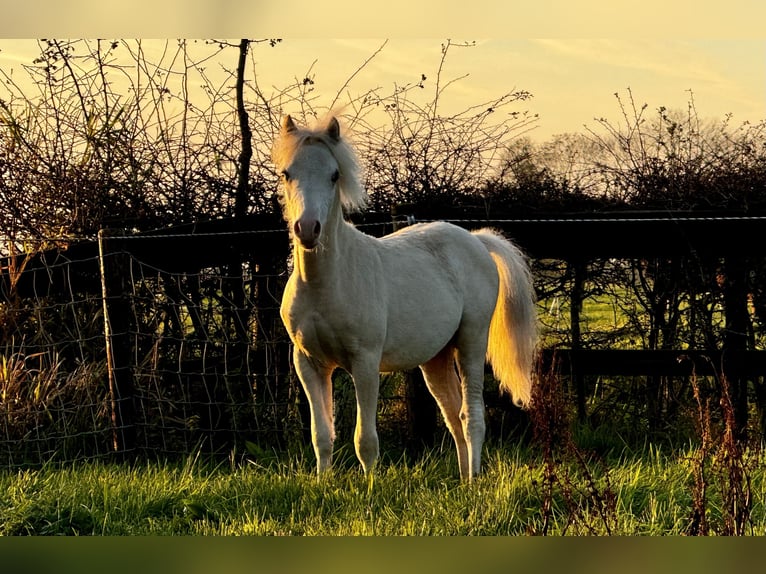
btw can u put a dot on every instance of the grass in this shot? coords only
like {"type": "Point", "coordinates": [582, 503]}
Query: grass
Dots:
{"type": "Point", "coordinates": [651, 492]}
{"type": "Point", "coordinates": [601, 317]}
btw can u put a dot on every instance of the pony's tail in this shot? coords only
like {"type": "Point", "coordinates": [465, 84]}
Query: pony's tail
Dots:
{"type": "Point", "coordinates": [513, 329]}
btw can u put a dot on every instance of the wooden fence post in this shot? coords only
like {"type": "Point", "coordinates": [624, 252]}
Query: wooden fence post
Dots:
{"type": "Point", "coordinates": [575, 308]}
{"type": "Point", "coordinates": [114, 268]}
{"type": "Point", "coordinates": [421, 412]}
{"type": "Point", "coordinates": [735, 338]}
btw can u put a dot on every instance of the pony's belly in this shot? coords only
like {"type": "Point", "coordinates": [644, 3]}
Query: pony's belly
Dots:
{"type": "Point", "coordinates": [392, 366]}
{"type": "Point", "coordinates": [407, 353]}
{"type": "Point", "coordinates": [405, 361]}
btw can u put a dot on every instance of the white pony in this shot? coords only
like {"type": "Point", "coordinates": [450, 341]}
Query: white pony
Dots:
{"type": "Point", "coordinates": [433, 295]}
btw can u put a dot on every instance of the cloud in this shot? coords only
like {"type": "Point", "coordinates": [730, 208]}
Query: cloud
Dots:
{"type": "Point", "coordinates": [666, 58]}
{"type": "Point", "coordinates": [725, 75]}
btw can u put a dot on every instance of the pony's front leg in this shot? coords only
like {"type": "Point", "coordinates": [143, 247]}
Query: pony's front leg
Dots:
{"type": "Point", "coordinates": [366, 381]}
{"type": "Point", "coordinates": [317, 384]}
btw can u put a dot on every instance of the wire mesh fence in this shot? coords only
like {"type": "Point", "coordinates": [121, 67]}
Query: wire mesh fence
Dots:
{"type": "Point", "coordinates": [209, 361]}
{"type": "Point", "coordinates": [170, 343]}
{"type": "Point", "coordinates": [200, 357]}
{"type": "Point", "coordinates": [52, 369]}
{"type": "Point", "coordinates": [127, 347]}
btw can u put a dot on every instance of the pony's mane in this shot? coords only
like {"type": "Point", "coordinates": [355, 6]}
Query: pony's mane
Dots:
{"type": "Point", "coordinates": [352, 193]}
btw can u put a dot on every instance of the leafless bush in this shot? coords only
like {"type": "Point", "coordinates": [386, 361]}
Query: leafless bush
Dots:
{"type": "Point", "coordinates": [421, 155]}
{"type": "Point", "coordinates": [677, 160]}
{"type": "Point", "coordinates": [112, 138]}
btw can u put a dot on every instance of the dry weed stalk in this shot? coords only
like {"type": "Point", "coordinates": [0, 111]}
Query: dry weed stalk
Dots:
{"type": "Point", "coordinates": [588, 505]}
{"type": "Point", "coordinates": [723, 461]}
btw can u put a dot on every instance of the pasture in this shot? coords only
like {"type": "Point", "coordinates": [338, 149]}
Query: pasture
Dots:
{"type": "Point", "coordinates": [613, 481]}
{"type": "Point", "coordinates": [649, 491]}
{"type": "Point", "coordinates": [146, 385]}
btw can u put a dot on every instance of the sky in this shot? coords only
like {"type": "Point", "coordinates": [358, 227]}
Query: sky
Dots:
{"type": "Point", "coordinates": [572, 55]}
{"type": "Point", "coordinates": [572, 80]}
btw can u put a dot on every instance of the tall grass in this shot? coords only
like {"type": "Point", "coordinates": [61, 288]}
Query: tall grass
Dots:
{"type": "Point", "coordinates": [652, 496]}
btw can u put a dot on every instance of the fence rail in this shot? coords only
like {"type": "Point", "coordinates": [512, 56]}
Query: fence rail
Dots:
{"type": "Point", "coordinates": [167, 341]}
{"type": "Point", "coordinates": [653, 363]}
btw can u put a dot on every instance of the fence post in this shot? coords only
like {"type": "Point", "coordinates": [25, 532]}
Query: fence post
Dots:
{"type": "Point", "coordinates": [575, 307]}
{"type": "Point", "coordinates": [421, 412]}
{"type": "Point", "coordinates": [114, 266]}
{"type": "Point", "coordinates": [735, 338]}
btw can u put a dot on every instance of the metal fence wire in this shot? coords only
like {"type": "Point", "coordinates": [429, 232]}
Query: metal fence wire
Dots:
{"type": "Point", "coordinates": [170, 343]}
{"type": "Point", "coordinates": [175, 362]}
{"type": "Point", "coordinates": [156, 346]}
{"type": "Point", "coordinates": [209, 360]}
{"type": "Point", "coordinates": [54, 403]}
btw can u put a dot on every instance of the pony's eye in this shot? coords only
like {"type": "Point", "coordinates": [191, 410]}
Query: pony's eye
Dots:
{"type": "Point", "coordinates": [335, 176]}
{"type": "Point", "coordinates": [285, 175]}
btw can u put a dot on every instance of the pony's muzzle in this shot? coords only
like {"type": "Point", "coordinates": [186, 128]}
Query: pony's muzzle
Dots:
{"type": "Point", "coordinates": [307, 232]}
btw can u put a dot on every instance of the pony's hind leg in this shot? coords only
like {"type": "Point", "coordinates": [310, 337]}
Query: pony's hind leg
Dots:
{"type": "Point", "coordinates": [443, 383]}
{"type": "Point", "coordinates": [470, 364]}
{"type": "Point", "coordinates": [317, 384]}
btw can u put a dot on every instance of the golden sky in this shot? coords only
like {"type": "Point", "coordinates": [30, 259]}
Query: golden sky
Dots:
{"type": "Point", "coordinates": [572, 80]}
{"type": "Point", "coordinates": [572, 56]}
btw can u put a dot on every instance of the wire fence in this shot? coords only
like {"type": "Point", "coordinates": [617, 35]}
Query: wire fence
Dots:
{"type": "Point", "coordinates": [54, 403]}
{"type": "Point", "coordinates": [165, 344]}
{"type": "Point", "coordinates": [202, 351]}
{"type": "Point", "coordinates": [158, 345]}
{"type": "Point", "coordinates": [209, 360]}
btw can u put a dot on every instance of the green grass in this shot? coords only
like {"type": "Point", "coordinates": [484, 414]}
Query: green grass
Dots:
{"type": "Point", "coordinates": [651, 491]}
{"type": "Point", "coordinates": [600, 317]}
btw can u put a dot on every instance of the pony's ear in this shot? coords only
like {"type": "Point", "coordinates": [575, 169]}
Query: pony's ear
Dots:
{"type": "Point", "coordinates": [288, 125]}
{"type": "Point", "coordinates": [333, 130]}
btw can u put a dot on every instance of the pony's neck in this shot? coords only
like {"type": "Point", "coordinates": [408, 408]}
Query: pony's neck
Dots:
{"type": "Point", "coordinates": [321, 263]}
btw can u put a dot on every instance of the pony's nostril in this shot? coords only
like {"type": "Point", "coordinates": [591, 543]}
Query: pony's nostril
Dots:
{"type": "Point", "coordinates": [298, 228]}
{"type": "Point", "coordinates": [307, 231]}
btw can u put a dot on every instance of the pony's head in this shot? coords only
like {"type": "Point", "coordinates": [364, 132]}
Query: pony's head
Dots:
{"type": "Point", "coordinates": [317, 169]}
